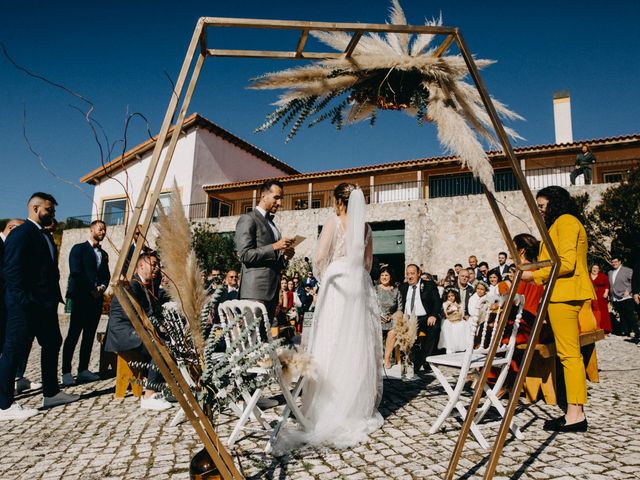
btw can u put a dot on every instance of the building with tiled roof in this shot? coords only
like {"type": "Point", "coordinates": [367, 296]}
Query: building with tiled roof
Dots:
{"type": "Point", "coordinates": [205, 154]}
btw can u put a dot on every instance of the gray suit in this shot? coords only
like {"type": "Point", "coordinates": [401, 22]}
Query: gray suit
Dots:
{"type": "Point", "coordinates": [261, 264]}
{"type": "Point", "coordinates": [624, 306]}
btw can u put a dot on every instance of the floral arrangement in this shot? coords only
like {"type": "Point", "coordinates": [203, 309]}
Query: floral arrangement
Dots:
{"type": "Point", "coordinates": [394, 71]}
{"type": "Point", "coordinates": [406, 327]}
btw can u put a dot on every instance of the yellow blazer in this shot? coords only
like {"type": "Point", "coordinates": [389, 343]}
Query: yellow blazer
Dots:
{"type": "Point", "coordinates": [573, 283]}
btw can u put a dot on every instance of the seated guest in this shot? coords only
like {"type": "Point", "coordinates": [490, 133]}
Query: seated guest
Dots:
{"type": "Point", "coordinates": [389, 302]}
{"type": "Point", "coordinates": [472, 278]}
{"type": "Point", "coordinates": [231, 288]}
{"type": "Point", "coordinates": [465, 291]}
{"type": "Point", "coordinates": [310, 280]}
{"type": "Point", "coordinates": [121, 335]}
{"type": "Point", "coordinates": [503, 266]}
{"type": "Point", "coordinates": [483, 272]}
{"type": "Point", "coordinates": [450, 278]}
{"type": "Point", "coordinates": [494, 279]}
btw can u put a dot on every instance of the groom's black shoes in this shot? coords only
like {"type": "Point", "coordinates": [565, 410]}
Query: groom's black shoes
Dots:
{"type": "Point", "coordinates": [560, 425]}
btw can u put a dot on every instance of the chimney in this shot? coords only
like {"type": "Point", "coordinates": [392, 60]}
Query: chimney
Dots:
{"type": "Point", "coordinates": [562, 116]}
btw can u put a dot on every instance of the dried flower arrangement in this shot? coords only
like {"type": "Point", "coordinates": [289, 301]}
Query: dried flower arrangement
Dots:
{"type": "Point", "coordinates": [396, 71]}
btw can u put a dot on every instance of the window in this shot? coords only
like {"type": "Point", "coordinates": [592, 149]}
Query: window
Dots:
{"type": "Point", "coordinates": [302, 203]}
{"type": "Point", "coordinates": [164, 201]}
{"type": "Point", "coordinates": [218, 208]}
{"type": "Point", "coordinates": [467, 184]}
{"type": "Point", "coordinates": [114, 212]}
{"type": "Point", "coordinates": [613, 177]}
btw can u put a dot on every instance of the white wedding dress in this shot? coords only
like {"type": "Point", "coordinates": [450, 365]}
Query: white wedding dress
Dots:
{"type": "Point", "coordinates": [341, 399]}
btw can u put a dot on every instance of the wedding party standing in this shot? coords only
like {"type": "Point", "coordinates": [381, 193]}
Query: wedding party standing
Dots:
{"type": "Point", "coordinates": [572, 289]}
{"type": "Point", "coordinates": [32, 297]}
{"type": "Point", "coordinates": [88, 280]}
{"type": "Point", "coordinates": [341, 399]}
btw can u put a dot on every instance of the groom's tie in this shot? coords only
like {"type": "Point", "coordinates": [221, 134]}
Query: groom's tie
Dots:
{"type": "Point", "coordinates": [412, 306]}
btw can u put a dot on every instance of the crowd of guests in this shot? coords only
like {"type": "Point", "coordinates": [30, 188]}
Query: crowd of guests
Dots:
{"type": "Point", "coordinates": [30, 294]}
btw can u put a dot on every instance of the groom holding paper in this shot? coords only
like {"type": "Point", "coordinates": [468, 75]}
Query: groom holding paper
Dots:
{"type": "Point", "coordinates": [263, 251]}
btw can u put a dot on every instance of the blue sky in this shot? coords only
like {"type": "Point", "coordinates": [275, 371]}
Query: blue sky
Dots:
{"type": "Point", "coordinates": [118, 54]}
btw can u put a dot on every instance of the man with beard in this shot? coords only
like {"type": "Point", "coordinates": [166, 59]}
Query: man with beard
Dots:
{"type": "Point", "coordinates": [32, 297]}
{"type": "Point", "coordinates": [88, 279]}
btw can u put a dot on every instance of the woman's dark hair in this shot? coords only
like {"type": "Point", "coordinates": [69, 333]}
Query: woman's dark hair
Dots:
{"type": "Point", "coordinates": [560, 203]}
{"type": "Point", "coordinates": [451, 290]}
{"type": "Point", "coordinates": [342, 193]}
{"type": "Point", "coordinates": [530, 244]}
{"type": "Point", "coordinates": [387, 269]}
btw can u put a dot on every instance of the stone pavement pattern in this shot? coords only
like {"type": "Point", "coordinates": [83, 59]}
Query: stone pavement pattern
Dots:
{"type": "Point", "coordinates": [99, 437]}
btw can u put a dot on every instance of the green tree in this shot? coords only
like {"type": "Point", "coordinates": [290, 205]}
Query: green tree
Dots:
{"type": "Point", "coordinates": [214, 249]}
{"type": "Point", "coordinates": [598, 242]}
{"type": "Point", "coordinates": [617, 217]}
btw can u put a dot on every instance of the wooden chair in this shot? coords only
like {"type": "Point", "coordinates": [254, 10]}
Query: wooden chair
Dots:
{"type": "Point", "coordinates": [126, 376]}
{"type": "Point", "coordinates": [472, 360]}
{"type": "Point", "coordinates": [242, 312]}
{"type": "Point", "coordinates": [541, 377]}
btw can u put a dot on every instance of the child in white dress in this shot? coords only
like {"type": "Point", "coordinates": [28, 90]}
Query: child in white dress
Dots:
{"type": "Point", "coordinates": [454, 334]}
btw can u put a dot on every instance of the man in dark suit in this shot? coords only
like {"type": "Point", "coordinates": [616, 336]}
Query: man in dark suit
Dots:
{"type": "Point", "coordinates": [88, 279]}
{"type": "Point", "coordinates": [231, 286]}
{"type": "Point", "coordinates": [11, 224]}
{"type": "Point", "coordinates": [621, 293]}
{"type": "Point", "coordinates": [32, 296]}
{"type": "Point", "coordinates": [503, 266]}
{"type": "Point", "coordinates": [465, 290]}
{"type": "Point", "coordinates": [121, 334]}
{"type": "Point", "coordinates": [422, 299]}
{"type": "Point", "coordinates": [262, 249]}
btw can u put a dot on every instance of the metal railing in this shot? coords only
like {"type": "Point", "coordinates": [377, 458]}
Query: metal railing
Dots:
{"type": "Point", "coordinates": [434, 186]}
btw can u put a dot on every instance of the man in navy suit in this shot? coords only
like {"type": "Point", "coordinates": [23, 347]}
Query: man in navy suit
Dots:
{"type": "Point", "coordinates": [11, 224]}
{"type": "Point", "coordinates": [32, 296]}
{"type": "Point", "coordinates": [88, 279]}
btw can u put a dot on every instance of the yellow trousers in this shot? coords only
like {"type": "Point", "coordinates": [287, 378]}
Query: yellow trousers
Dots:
{"type": "Point", "coordinates": [566, 331]}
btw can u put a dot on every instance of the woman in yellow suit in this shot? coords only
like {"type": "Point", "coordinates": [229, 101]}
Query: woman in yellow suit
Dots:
{"type": "Point", "coordinates": [571, 291]}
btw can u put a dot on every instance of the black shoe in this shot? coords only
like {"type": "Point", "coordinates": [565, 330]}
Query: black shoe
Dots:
{"type": "Point", "coordinates": [560, 425]}
{"type": "Point", "coordinates": [553, 424]}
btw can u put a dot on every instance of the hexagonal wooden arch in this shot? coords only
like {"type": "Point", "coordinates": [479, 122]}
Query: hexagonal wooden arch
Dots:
{"type": "Point", "coordinates": [197, 52]}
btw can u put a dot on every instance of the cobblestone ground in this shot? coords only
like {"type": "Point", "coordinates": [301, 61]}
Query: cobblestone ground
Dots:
{"type": "Point", "coordinates": [100, 437]}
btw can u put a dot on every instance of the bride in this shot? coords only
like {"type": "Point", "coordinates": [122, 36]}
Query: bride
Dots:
{"type": "Point", "coordinates": [345, 343]}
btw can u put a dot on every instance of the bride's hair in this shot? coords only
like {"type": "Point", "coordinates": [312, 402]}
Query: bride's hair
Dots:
{"type": "Point", "coordinates": [342, 193]}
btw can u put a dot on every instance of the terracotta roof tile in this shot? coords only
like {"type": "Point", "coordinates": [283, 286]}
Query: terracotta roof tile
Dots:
{"type": "Point", "coordinates": [405, 164]}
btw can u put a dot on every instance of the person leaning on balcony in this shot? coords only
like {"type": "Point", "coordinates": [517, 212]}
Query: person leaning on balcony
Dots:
{"type": "Point", "coordinates": [584, 160]}
{"type": "Point", "coordinates": [572, 290]}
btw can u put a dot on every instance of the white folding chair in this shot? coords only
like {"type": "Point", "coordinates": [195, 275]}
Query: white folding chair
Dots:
{"type": "Point", "coordinates": [242, 312]}
{"type": "Point", "coordinates": [473, 360]}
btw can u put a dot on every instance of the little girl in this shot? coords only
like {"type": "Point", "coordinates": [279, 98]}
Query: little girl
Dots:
{"type": "Point", "coordinates": [454, 335]}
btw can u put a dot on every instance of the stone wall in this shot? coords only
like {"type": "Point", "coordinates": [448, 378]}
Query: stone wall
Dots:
{"type": "Point", "coordinates": [438, 232]}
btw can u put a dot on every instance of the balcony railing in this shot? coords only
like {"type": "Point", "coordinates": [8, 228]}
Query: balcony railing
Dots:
{"type": "Point", "coordinates": [434, 186]}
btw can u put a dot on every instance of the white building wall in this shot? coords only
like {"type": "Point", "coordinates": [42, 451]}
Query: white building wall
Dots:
{"type": "Point", "coordinates": [132, 177]}
{"type": "Point", "coordinates": [219, 161]}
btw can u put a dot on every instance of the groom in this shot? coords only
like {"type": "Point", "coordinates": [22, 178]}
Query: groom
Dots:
{"type": "Point", "coordinates": [422, 299]}
{"type": "Point", "coordinates": [263, 251]}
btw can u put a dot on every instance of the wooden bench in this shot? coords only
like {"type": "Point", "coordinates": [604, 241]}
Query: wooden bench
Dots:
{"type": "Point", "coordinates": [542, 372]}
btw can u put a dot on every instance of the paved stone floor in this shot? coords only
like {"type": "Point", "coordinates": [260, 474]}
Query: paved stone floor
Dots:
{"type": "Point", "coordinates": [99, 437]}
